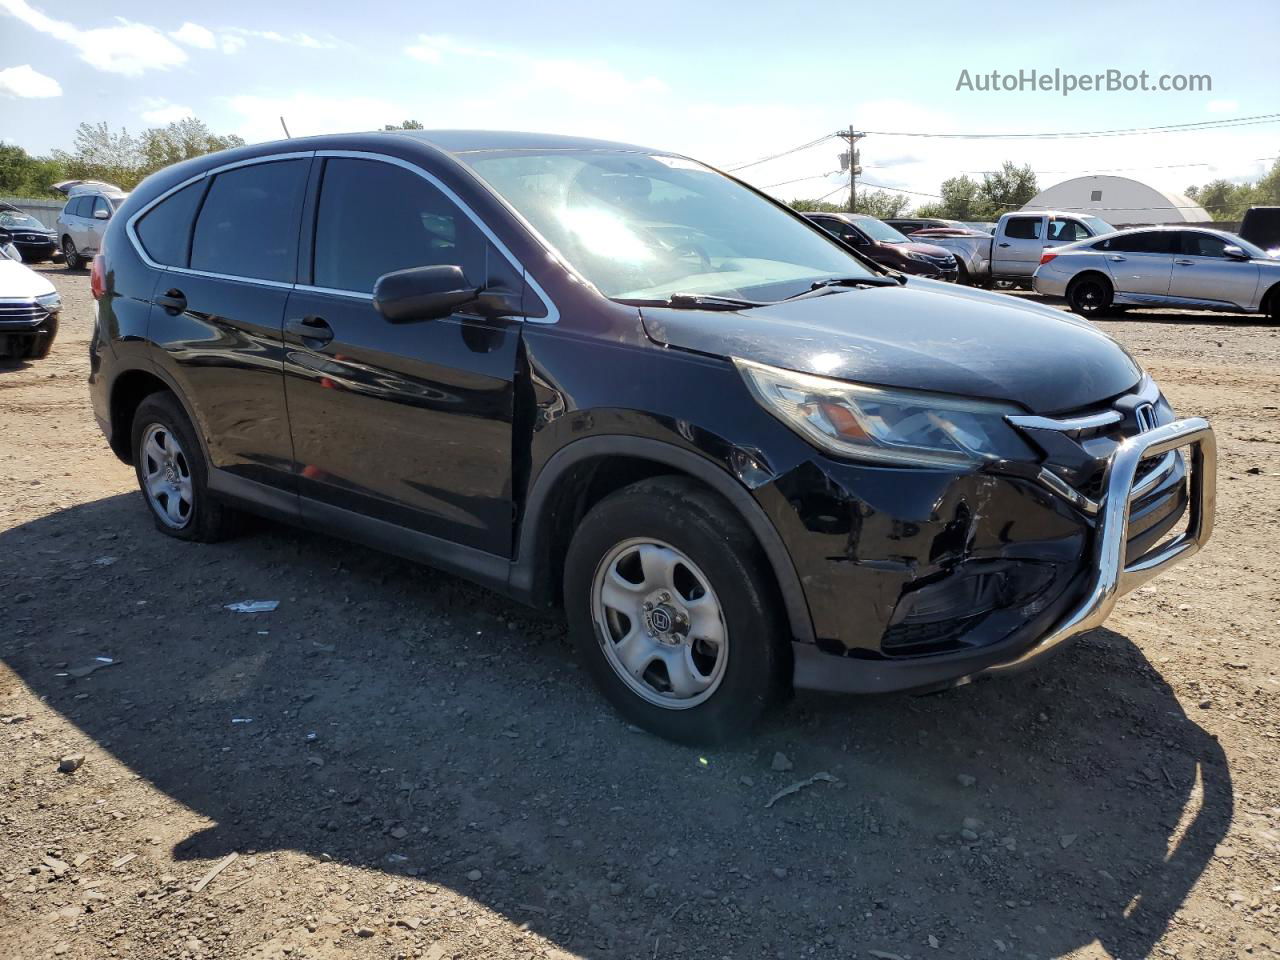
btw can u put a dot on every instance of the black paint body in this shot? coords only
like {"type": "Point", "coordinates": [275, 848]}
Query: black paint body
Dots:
{"type": "Point", "coordinates": [476, 443]}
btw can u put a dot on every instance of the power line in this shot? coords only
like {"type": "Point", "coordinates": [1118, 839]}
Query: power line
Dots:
{"type": "Point", "coordinates": [1165, 166]}
{"type": "Point", "coordinates": [784, 153]}
{"type": "Point", "coordinates": [816, 176]}
{"type": "Point", "coordinates": [1199, 126]}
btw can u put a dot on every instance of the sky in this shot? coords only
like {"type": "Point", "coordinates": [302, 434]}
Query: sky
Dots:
{"type": "Point", "coordinates": [725, 82]}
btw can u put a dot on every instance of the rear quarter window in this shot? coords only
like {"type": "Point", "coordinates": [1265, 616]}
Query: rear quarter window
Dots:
{"type": "Point", "coordinates": [248, 225]}
{"type": "Point", "coordinates": [165, 230]}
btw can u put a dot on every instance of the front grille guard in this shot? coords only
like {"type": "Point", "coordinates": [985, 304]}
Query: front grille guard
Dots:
{"type": "Point", "coordinates": [1112, 577]}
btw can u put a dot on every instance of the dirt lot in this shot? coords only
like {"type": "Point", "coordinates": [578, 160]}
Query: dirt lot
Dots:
{"type": "Point", "coordinates": [397, 764]}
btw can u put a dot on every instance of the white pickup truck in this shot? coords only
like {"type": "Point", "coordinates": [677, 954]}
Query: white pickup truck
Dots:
{"type": "Point", "coordinates": [1013, 252]}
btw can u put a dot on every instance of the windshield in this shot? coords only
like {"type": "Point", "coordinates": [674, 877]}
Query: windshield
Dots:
{"type": "Point", "coordinates": [644, 227]}
{"type": "Point", "coordinates": [879, 230]}
{"type": "Point", "coordinates": [1098, 225]}
{"type": "Point", "coordinates": [19, 221]}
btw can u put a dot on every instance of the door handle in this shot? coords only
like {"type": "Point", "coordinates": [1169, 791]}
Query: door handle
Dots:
{"type": "Point", "coordinates": [1185, 263]}
{"type": "Point", "coordinates": [1004, 244]}
{"type": "Point", "coordinates": [173, 301]}
{"type": "Point", "coordinates": [314, 329]}
{"type": "Point", "coordinates": [1117, 259]}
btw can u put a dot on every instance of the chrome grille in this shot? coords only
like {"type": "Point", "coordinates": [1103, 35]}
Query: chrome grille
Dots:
{"type": "Point", "coordinates": [21, 314]}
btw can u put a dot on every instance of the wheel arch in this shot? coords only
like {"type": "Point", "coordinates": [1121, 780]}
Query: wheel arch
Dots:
{"type": "Point", "coordinates": [1087, 273]}
{"type": "Point", "coordinates": [585, 471]}
{"type": "Point", "coordinates": [128, 390]}
{"type": "Point", "coordinates": [1270, 302]}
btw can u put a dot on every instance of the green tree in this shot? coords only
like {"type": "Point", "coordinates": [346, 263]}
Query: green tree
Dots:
{"type": "Point", "coordinates": [1008, 188]}
{"type": "Point", "coordinates": [100, 153]}
{"type": "Point", "coordinates": [22, 175]}
{"type": "Point", "coordinates": [405, 125]}
{"type": "Point", "coordinates": [817, 206]}
{"type": "Point", "coordinates": [1222, 199]}
{"type": "Point", "coordinates": [882, 204]}
{"type": "Point", "coordinates": [960, 200]}
{"type": "Point", "coordinates": [187, 138]}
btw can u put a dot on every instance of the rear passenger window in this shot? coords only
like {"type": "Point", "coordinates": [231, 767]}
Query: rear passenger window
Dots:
{"type": "Point", "coordinates": [1022, 228]}
{"type": "Point", "coordinates": [165, 232]}
{"type": "Point", "coordinates": [375, 217]}
{"type": "Point", "coordinates": [248, 226]}
{"type": "Point", "coordinates": [1154, 241]}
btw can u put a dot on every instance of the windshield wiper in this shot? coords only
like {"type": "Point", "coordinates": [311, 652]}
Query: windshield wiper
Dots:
{"type": "Point", "coordinates": [820, 286]}
{"type": "Point", "coordinates": [698, 301]}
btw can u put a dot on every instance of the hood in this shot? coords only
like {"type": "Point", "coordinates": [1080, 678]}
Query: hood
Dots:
{"type": "Point", "coordinates": [913, 246]}
{"type": "Point", "coordinates": [925, 335]}
{"type": "Point", "coordinates": [19, 282]}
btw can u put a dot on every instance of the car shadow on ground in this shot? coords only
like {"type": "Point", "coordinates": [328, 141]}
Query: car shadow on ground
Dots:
{"type": "Point", "coordinates": [1157, 314]}
{"type": "Point", "coordinates": [406, 722]}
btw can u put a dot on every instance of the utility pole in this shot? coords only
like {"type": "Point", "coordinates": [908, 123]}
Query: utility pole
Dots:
{"type": "Point", "coordinates": [851, 160]}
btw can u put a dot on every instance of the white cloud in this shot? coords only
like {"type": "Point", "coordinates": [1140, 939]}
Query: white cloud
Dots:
{"type": "Point", "coordinates": [231, 43]}
{"type": "Point", "coordinates": [308, 114]}
{"type": "Point", "coordinates": [1222, 106]}
{"type": "Point", "coordinates": [25, 82]}
{"type": "Point", "coordinates": [160, 112]}
{"type": "Point", "coordinates": [586, 80]}
{"type": "Point", "coordinates": [128, 48]}
{"type": "Point", "coordinates": [292, 39]}
{"type": "Point", "coordinates": [194, 35]}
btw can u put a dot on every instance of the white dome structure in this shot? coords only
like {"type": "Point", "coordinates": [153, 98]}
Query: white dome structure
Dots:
{"type": "Point", "coordinates": [1118, 200]}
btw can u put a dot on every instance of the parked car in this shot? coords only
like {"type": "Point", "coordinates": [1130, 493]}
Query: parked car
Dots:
{"type": "Point", "coordinates": [1183, 267]}
{"type": "Point", "coordinates": [1013, 253]}
{"type": "Point", "coordinates": [29, 307]}
{"type": "Point", "coordinates": [492, 352]}
{"type": "Point", "coordinates": [886, 246]}
{"type": "Point", "coordinates": [31, 238]}
{"type": "Point", "coordinates": [909, 225]}
{"type": "Point", "coordinates": [83, 220]}
{"type": "Point", "coordinates": [1261, 227]}
{"type": "Point", "coordinates": [981, 226]}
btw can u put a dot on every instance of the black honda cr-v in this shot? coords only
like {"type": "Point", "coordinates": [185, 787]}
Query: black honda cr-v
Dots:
{"type": "Point", "coordinates": [741, 457]}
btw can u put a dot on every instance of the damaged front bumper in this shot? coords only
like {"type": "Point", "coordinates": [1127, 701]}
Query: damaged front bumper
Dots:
{"type": "Point", "coordinates": [1124, 549]}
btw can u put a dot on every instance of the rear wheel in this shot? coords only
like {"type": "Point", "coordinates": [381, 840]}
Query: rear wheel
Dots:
{"type": "Point", "coordinates": [173, 475]}
{"type": "Point", "coordinates": [72, 255]}
{"type": "Point", "coordinates": [1090, 295]}
{"type": "Point", "coordinates": [670, 607]}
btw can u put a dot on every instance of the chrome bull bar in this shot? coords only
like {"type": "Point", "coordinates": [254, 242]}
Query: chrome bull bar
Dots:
{"type": "Point", "coordinates": [1112, 577]}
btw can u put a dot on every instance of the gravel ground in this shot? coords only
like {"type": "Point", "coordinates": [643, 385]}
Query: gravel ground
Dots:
{"type": "Point", "coordinates": [397, 764]}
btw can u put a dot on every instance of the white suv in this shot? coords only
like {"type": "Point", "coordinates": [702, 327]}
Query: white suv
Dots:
{"type": "Point", "coordinates": [83, 221]}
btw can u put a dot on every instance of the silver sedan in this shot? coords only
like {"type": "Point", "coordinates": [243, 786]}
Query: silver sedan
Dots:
{"type": "Point", "coordinates": [1183, 267]}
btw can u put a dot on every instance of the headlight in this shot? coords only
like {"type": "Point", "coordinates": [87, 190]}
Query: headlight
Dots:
{"type": "Point", "coordinates": [50, 301]}
{"type": "Point", "coordinates": [898, 427]}
{"type": "Point", "coordinates": [917, 255]}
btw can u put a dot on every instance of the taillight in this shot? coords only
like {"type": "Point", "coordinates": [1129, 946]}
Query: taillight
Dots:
{"type": "Point", "coordinates": [98, 272]}
{"type": "Point", "coordinates": [1044, 257]}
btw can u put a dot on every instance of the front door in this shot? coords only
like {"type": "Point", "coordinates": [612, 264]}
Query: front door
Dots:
{"type": "Point", "coordinates": [406, 423]}
{"type": "Point", "coordinates": [1201, 271]}
{"type": "Point", "coordinates": [1018, 247]}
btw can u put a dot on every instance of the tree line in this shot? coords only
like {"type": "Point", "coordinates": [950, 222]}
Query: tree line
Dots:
{"type": "Point", "coordinates": [1012, 186]}
{"type": "Point", "coordinates": [100, 153]}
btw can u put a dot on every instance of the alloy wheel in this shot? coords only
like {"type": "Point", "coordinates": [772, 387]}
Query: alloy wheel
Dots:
{"type": "Point", "coordinates": [167, 479]}
{"type": "Point", "coordinates": [659, 623]}
{"type": "Point", "coordinates": [1089, 297]}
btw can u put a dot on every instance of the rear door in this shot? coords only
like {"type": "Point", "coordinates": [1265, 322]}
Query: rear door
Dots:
{"type": "Point", "coordinates": [1202, 272]}
{"type": "Point", "coordinates": [1140, 263]}
{"type": "Point", "coordinates": [1017, 248]}
{"type": "Point", "coordinates": [408, 423]}
{"type": "Point", "coordinates": [219, 307]}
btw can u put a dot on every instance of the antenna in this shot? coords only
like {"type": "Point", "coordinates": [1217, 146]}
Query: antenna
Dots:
{"type": "Point", "coordinates": [287, 134]}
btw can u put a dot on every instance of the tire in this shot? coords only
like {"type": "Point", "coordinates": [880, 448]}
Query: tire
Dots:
{"type": "Point", "coordinates": [173, 475]}
{"type": "Point", "coordinates": [1090, 295]}
{"type": "Point", "coordinates": [39, 347]}
{"type": "Point", "coordinates": [73, 259]}
{"type": "Point", "coordinates": [676, 546]}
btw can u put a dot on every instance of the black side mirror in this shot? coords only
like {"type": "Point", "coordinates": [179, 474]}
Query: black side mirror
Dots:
{"type": "Point", "coordinates": [1232, 252]}
{"type": "Point", "coordinates": [422, 293]}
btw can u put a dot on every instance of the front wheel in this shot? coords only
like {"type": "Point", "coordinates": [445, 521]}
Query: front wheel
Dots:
{"type": "Point", "coordinates": [669, 604]}
{"type": "Point", "coordinates": [1090, 296]}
